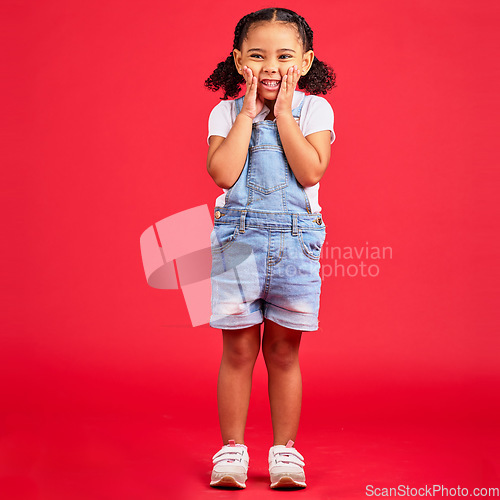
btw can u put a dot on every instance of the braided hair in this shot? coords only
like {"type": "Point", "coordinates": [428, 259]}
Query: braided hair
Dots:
{"type": "Point", "coordinates": [319, 79]}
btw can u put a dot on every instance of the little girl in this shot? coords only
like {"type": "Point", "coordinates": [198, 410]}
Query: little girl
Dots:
{"type": "Point", "coordinates": [268, 150]}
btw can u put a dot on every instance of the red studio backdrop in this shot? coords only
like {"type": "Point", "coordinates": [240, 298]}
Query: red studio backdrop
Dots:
{"type": "Point", "coordinates": [106, 119]}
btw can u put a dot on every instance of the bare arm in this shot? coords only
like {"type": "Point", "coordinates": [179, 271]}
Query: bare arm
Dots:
{"type": "Point", "coordinates": [309, 156]}
{"type": "Point", "coordinates": [226, 156]}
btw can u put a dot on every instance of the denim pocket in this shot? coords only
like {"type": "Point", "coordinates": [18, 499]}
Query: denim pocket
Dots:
{"type": "Point", "coordinates": [267, 169]}
{"type": "Point", "coordinates": [223, 236]}
{"type": "Point", "coordinates": [312, 241]}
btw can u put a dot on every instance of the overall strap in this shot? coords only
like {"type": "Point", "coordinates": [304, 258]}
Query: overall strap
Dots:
{"type": "Point", "coordinates": [239, 104]}
{"type": "Point", "coordinates": [296, 112]}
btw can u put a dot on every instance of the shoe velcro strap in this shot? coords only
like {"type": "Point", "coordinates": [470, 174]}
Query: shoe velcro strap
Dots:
{"type": "Point", "coordinates": [291, 458]}
{"type": "Point", "coordinates": [227, 455]}
{"type": "Point", "coordinates": [288, 451]}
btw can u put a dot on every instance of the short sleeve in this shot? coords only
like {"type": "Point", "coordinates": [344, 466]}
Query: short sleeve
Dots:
{"type": "Point", "coordinates": [220, 120]}
{"type": "Point", "coordinates": [317, 116]}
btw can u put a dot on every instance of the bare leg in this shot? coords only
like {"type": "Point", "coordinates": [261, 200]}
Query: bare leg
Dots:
{"type": "Point", "coordinates": [280, 347]}
{"type": "Point", "coordinates": [240, 350]}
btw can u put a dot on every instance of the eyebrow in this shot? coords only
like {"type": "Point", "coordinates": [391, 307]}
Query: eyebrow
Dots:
{"type": "Point", "coordinates": [279, 50]}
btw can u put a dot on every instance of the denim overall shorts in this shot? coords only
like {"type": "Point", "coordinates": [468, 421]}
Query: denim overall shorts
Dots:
{"type": "Point", "coordinates": [266, 242]}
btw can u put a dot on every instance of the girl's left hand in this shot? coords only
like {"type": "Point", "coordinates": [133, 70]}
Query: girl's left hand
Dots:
{"type": "Point", "coordinates": [289, 81]}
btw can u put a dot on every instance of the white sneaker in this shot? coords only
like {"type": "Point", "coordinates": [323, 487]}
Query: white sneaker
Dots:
{"type": "Point", "coordinates": [230, 466]}
{"type": "Point", "coordinates": [285, 467]}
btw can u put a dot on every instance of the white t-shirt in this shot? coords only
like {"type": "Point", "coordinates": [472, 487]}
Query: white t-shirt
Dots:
{"type": "Point", "coordinates": [316, 115]}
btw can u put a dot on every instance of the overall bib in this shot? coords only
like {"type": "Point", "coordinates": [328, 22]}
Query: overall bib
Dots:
{"type": "Point", "coordinates": [266, 242]}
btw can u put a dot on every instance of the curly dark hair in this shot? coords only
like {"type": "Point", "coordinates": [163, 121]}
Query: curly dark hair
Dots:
{"type": "Point", "coordinates": [318, 80]}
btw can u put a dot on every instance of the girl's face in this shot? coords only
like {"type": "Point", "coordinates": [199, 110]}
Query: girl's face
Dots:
{"type": "Point", "coordinates": [269, 49]}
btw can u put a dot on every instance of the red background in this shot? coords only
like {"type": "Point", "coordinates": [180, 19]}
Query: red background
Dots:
{"type": "Point", "coordinates": [107, 117]}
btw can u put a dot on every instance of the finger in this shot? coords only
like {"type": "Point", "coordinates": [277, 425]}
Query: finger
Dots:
{"type": "Point", "coordinates": [296, 76]}
{"type": "Point", "coordinates": [254, 85]}
{"type": "Point", "coordinates": [253, 82]}
{"type": "Point", "coordinates": [290, 78]}
{"type": "Point", "coordinates": [248, 77]}
{"type": "Point", "coordinates": [245, 76]}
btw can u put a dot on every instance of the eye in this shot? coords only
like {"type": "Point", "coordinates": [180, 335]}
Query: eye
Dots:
{"type": "Point", "coordinates": [255, 55]}
{"type": "Point", "coordinates": [286, 56]}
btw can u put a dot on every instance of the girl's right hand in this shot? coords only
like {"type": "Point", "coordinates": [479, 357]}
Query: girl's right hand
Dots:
{"type": "Point", "coordinates": [252, 103]}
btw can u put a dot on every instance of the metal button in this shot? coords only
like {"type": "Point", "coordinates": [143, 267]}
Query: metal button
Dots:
{"type": "Point", "coordinates": [217, 214]}
{"type": "Point", "coordinates": [318, 221]}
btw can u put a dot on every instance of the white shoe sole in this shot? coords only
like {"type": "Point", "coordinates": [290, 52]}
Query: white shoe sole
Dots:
{"type": "Point", "coordinates": [288, 482]}
{"type": "Point", "coordinates": [227, 482]}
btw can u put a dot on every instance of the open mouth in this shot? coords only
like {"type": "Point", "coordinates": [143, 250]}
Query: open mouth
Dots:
{"type": "Point", "coordinates": [270, 84]}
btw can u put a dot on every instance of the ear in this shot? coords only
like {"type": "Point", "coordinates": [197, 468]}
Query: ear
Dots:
{"type": "Point", "coordinates": [237, 61]}
{"type": "Point", "coordinates": [307, 61]}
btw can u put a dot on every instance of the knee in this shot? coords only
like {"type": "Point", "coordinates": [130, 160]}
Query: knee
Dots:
{"type": "Point", "coordinates": [281, 354]}
{"type": "Point", "coordinates": [241, 355]}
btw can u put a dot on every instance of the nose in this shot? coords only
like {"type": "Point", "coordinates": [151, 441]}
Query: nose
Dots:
{"type": "Point", "coordinates": [271, 68]}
